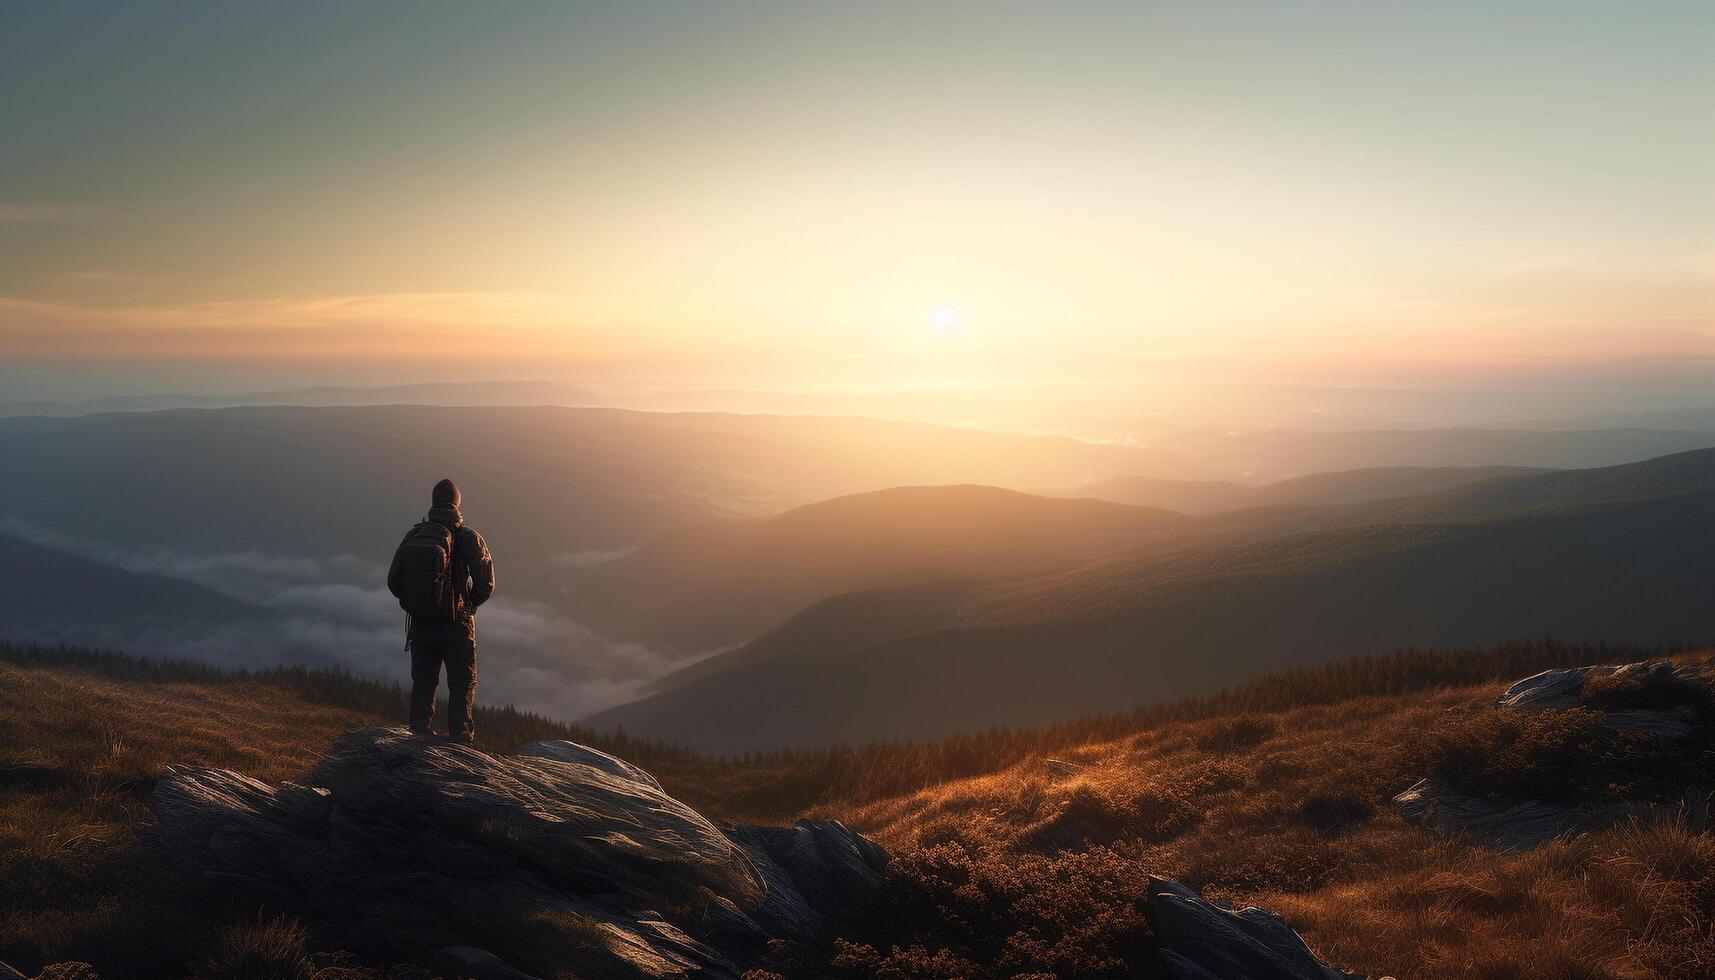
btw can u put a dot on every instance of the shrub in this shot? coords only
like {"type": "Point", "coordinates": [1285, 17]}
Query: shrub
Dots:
{"type": "Point", "coordinates": [949, 911]}
{"type": "Point", "coordinates": [1335, 811]}
{"type": "Point", "coordinates": [1563, 756]}
{"type": "Point", "coordinates": [1645, 690]}
{"type": "Point", "coordinates": [1236, 733]}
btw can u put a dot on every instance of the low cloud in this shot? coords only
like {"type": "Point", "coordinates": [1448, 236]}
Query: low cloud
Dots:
{"type": "Point", "coordinates": [248, 575]}
{"type": "Point", "coordinates": [336, 611]}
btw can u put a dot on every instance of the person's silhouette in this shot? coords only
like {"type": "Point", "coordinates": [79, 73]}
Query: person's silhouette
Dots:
{"type": "Point", "coordinates": [441, 573]}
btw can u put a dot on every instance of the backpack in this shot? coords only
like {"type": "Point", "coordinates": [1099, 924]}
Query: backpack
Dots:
{"type": "Point", "coordinates": [428, 583]}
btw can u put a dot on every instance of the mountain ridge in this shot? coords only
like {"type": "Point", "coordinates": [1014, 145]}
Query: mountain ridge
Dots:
{"type": "Point", "coordinates": [1127, 631]}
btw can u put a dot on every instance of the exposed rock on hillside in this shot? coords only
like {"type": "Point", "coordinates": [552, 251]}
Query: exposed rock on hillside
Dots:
{"type": "Point", "coordinates": [813, 870]}
{"type": "Point", "coordinates": [559, 857]}
{"type": "Point", "coordinates": [1662, 707]}
{"type": "Point", "coordinates": [1505, 825]}
{"type": "Point", "coordinates": [1663, 698]}
{"type": "Point", "coordinates": [1202, 941]}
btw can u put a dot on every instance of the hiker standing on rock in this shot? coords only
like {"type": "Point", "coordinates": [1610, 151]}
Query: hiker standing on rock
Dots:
{"type": "Point", "coordinates": [440, 574]}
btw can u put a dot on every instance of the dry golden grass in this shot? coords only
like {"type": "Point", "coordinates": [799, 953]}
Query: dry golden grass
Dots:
{"type": "Point", "coordinates": [1024, 869]}
{"type": "Point", "coordinates": [78, 755]}
{"type": "Point", "coordinates": [1291, 812]}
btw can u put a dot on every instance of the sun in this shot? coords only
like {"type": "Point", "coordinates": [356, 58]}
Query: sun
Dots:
{"type": "Point", "coordinates": [946, 322]}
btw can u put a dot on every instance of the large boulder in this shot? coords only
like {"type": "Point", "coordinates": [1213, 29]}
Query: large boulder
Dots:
{"type": "Point", "coordinates": [1664, 698]}
{"type": "Point", "coordinates": [814, 869]}
{"type": "Point", "coordinates": [1199, 940]}
{"type": "Point", "coordinates": [558, 858]}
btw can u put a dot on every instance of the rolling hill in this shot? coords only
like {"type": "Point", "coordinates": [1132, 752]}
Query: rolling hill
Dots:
{"type": "Point", "coordinates": [1612, 554]}
{"type": "Point", "coordinates": [52, 594]}
{"type": "Point", "coordinates": [729, 581]}
{"type": "Point", "coordinates": [1662, 476]}
{"type": "Point", "coordinates": [1315, 490]}
{"type": "Point", "coordinates": [304, 497]}
{"type": "Point", "coordinates": [1268, 455]}
{"type": "Point", "coordinates": [723, 583]}
{"type": "Point", "coordinates": [726, 582]}
{"type": "Point", "coordinates": [608, 525]}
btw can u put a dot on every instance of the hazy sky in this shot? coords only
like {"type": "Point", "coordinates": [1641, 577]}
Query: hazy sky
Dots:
{"type": "Point", "coordinates": [1363, 193]}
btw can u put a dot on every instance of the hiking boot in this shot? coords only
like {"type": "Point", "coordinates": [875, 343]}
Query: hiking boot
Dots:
{"type": "Point", "coordinates": [422, 731]}
{"type": "Point", "coordinates": [462, 738]}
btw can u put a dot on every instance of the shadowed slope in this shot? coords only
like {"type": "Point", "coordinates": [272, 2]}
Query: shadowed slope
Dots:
{"type": "Point", "coordinates": [49, 592]}
{"type": "Point", "coordinates": [1612, 564]}
{"type": "Point", "coordinates": [723, 583]}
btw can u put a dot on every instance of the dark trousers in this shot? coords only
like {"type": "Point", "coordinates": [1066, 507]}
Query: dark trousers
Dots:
{"type": "Point", "coordinates": [454, 645]}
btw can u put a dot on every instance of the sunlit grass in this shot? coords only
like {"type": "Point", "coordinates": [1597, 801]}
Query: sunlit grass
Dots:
{"type": "Point", "coordinates": [1015, 851]}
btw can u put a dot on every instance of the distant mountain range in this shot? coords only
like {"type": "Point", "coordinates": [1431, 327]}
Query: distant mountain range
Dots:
{"type": "Point", "coordinates": [723, 583]}
{"type": "Point", "coordinates": [1617, 554]}
{"type": "Point", "coordinates": [1317, 489]}
{"type": "Point", "coordinates": [1269, 455]}
{"type": "Point", "coordinates": [629, 543]}
{"type": "Point", "coordinates": [295, 496]}
{"type": "Point", "coordinates": [544, 483]}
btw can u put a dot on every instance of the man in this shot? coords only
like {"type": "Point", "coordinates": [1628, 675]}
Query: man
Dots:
{"type": "Point", "coordinates": [441, 573]}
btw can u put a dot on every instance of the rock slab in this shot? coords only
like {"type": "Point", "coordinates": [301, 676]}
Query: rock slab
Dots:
{"type": "Point", "coordinates": [1569, 687]}
{"type": "Point", "coordinates": [1199, 940]}
{"type": "Point", "coordinates": [560, 857]}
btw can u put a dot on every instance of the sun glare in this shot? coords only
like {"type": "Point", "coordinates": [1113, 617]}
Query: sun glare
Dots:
{"type": "Point", "coordinates": [946, 322]}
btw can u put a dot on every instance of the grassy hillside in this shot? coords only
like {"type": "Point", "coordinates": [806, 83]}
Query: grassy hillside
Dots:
{"type": "Point", "coordinates": [1273, 792]}
{"type": "Point", "coordinates": [84, 736]}
{"type": "Point", "coordinates": [1041, 866]}
{"type": "Point", "coordinates": [1592, 555]}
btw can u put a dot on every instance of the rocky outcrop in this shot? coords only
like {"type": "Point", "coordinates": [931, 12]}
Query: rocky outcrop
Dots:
{"type": "Point", "coordinates": [1505, 825]}
{"type": "Point", "coordinates": [813, 871]}
{"type": "Point", "coordinates": [1623, 693]}
{"type": "Point", "coordinates": [1061, 769]}
{"type": "Point", "coordinates": [1660, 698]}
{"type": "Point", "coordinates": [560, 857]}
{"type": "Point", "coordinates": [1199, 940]}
